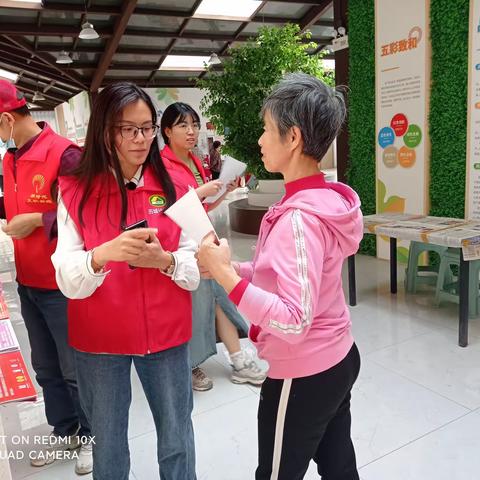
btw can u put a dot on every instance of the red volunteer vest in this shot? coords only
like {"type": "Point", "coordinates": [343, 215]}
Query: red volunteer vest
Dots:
{"type": "Point", "coordinates": [27, 190]}
{"type": "Point", "coordinates": [136, 311]}
{"type": "Point", "coordinates": [179, 171]}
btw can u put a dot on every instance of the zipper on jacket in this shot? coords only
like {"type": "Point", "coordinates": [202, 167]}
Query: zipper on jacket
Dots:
{"type": "Point", "coordinates": [141, 273]}
{"type": "Point", "coordinates": [145, 311]}
{"type": "Point", "coordinates": [18, 259]}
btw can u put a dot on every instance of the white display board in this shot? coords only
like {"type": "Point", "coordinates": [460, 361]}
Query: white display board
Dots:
{"type": "Point", "coordinates": [402, 59]}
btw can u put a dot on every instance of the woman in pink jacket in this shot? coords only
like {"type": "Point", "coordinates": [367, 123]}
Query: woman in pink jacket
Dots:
{"type": "Point", "coordinates": [292, 291]}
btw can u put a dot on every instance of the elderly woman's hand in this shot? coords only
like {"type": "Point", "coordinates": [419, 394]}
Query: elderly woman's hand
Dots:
{"type": "Point", "coordinates": [214, 261]}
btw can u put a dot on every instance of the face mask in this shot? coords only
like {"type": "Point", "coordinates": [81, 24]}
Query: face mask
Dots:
{"type": "Point", "coordinates": [10, 143]}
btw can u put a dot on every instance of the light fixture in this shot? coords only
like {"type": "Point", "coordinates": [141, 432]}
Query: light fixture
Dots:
{"type": "Point", "coordinates": [341, 31]}
{"type": "Point", "coordinates": [88, 32]}
{"type": "Point", "coordinates": [192, 63]}
{"type": "Point", "coordinates": [214, 59]}
{"type": "Point", "coordinates": [8, 75]}
{"type": "Point", "coordinates": [64, 58]}
{"type": "Point", "coordinates": [38, 97]}
{"type": "Point", "coordinates": [239, 10]}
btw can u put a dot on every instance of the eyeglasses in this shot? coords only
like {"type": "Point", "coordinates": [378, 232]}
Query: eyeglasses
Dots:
{"type": "Point", "coordinates": [129, 132]}
{"type": "Point", "coordinates": [184, 126]}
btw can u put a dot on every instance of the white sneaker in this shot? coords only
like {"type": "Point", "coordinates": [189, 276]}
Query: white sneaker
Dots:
{"type": "Point", "coordinates": [84, 463]}
{"type": "Point", "coordinates": [47, 453]}
{"type": "Point", "coordinates": [200, 381]}
{"type": "Point", "coordinates": [245, 369]}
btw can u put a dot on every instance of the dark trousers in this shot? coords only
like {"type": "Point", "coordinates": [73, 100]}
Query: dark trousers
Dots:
{"type": "Point", "coordinates": [45, 316]}
{"type": "Point", "coordinates": [308, 418]}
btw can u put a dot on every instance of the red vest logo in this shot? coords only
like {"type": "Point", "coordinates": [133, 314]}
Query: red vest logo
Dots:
{"type": "Point", "coordinates": [38, 183]}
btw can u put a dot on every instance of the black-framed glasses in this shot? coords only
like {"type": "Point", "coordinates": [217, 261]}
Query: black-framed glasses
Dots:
{"type": "Point", "coordinates": [129, 132]}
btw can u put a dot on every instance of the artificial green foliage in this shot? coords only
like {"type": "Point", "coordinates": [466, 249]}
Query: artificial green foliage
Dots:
{"type": "Point", "coordinates": [233, 99]}
{"type": "Point", "coordinates": [361, 116]}
{"type": "Point", "coordinates": [448, 106]}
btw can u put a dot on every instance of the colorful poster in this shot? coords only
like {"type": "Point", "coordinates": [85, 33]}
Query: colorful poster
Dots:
{"type": "Point", "coordinates": [73, 117]}
{"type": "Point", "coordinates": [402, 57]}
{"type": "Point", "coordinates": [472, 196]}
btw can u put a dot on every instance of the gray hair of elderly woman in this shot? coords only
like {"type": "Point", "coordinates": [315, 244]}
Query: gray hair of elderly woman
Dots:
{"type": "Point", "coordinates": [303, 101]}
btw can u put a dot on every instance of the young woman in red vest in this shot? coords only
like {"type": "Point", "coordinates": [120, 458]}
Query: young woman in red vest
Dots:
{"type": "Point", "coordinates": [180, 126]}
{"type": "Point", "coordinates": [129, 288]}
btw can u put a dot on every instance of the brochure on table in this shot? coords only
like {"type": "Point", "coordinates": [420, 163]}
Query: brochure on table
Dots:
{"type": "Point", "coordinates": [15, 381]}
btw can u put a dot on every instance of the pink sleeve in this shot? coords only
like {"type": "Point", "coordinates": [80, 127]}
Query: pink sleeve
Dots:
{"type": "Point", "coordinates": [294, 252]}
{"type": "Point", "coordinates": [246, 270]}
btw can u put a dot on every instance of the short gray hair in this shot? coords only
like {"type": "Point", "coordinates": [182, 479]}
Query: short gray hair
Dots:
{"type": "Point", "coordinates": [304, 101]}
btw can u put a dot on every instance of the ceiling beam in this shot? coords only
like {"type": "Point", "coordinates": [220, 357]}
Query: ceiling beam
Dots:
{"type": "Point", "coordinates": [22, 29]}
{"type": "Point", "coordinates": [14, 30]}
{"type": "Point", "coordinates": [314, 14]}
{"type": "Point", "coordinates": [235, 36]}
{"type": "Point", "coordinates": [29, 68]}
{"type": "Point", "coordinates": [45, 58]}
{"type": "Point", "coordinates": [115, 66]}
{"type": "Point", "coordinates": [112, 45]}
{"type": "Point", "coordinates": [156, 82]}
{"type": "Point", "coordinates": [155, 51]}
{"type": "Point", "coordinates": [80, 8]}
{"type": "Point", "coordinates": [56, 89]}
{"type": "Point", "coordinates": [180, 32]}
{"type": "Point", "coordinates": [43, 104]}
{"type": "Point", "coordinates": [8, 52]}
{"type": "Point", "coordinates": [162, 12]}
{"type": "Point", "coordinates": [27, 87]}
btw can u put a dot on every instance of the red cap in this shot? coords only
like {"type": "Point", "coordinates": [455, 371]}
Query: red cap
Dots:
{"type": "Point", "coordinates": [10, 97]}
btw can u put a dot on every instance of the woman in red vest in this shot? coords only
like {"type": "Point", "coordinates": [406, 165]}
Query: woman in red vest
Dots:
{"type": "Point", "coordinates": [129, 287]}
{"type": "Point", "coordinates": [180, 126]}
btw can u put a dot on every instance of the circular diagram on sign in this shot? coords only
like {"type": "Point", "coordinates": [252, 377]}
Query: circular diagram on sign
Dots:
{"type": "Point", "coordinates": [413, 137]}
{"type": "Point", "coordinates": [386, 137]}
{"type": "Point", "coordinates": [406, 157]}
{"type": "Point", "coordinates": [399, 124]}
{"type": "Point", "coordinates": [390, 157]}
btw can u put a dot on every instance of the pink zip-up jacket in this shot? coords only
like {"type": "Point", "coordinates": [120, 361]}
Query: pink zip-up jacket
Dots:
{"type": "Point", "coordinates": [292, 290]}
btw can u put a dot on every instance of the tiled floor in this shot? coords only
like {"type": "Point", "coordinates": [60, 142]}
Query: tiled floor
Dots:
{"type": "Point", "coordinates": [416, 405]}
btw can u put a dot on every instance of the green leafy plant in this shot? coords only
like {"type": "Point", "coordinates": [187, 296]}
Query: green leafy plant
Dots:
{"type": "Point", "coordinates": [448, 107]}
{"type": "Point", "coordinates": [361, 120]}
{"type": "Point", "coordinates": [233, 98]}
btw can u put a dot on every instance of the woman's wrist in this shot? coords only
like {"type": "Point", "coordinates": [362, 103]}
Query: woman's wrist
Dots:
{"type": "Point", "coordinates": [167, 261]}
{"type": "Point", "coordinates": [227, 277]}
{"type": "Point", "coordinates": [97, 260]}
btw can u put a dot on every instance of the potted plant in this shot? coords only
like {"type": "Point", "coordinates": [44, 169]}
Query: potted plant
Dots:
{"type": "Point", "coordinates": [234, 97]}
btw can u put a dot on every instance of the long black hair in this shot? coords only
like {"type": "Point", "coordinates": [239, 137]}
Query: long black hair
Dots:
{"type": "Point", "coordinates": [100, 157]}
{"type": "Point", "coordinates": [175, 113]}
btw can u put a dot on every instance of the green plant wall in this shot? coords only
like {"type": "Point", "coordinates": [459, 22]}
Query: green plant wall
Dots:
{"type": "Point", "coordinates": [361, 120]}
{"type": "Point", "coordinates": [448, 106]}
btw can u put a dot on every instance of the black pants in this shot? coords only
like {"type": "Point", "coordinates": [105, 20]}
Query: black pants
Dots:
{"type": "Point", "coordinates": [45, 316]}
{"type": "Point", "coordinates": [308, 418]}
